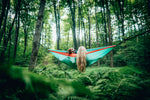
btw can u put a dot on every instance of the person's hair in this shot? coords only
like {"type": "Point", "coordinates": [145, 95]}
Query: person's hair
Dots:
{"type": "Point", "coordinates": [81, 59]}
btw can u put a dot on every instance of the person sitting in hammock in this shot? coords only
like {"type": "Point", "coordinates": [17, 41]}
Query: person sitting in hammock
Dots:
{"type": "Point", "coordinates": [81, 59]}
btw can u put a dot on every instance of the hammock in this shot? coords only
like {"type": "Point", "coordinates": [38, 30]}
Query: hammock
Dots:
{"type": "Point", "coordinates": [92, 56]}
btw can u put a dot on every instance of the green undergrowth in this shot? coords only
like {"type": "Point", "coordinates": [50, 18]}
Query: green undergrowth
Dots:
{"type": "Point", "coordinates": [52, 82]}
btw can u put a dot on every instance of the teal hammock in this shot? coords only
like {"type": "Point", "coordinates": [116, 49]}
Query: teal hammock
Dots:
{"type": "Point", "coordinates": [92, 55]}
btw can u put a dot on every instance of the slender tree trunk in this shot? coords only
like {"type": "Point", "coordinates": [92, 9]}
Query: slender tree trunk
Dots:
{"type": "Point", "coordinates": [25, 40]}
{"type": "Point", "coordinates": [109, 31]}
{"type": "Point", "coordinates": [84, 34]}
{"type": "Point", "coordinates": [17, 28]}
{"type": "Point", "coordinates": [68, 41]}
{"type": "Point", "coordinates": [116, 11]}
{"type": "Point", "coordinates": [105, 23]}
{"type": "Point", "coordinates": [58, 27]}
{"type": "Point", "coordinates": [96, 30]}
{"type": "Point", "coordinates": [26, 23]}
{"type": "Point", "coordinates": [121, 6]}
{"type": "Point", "coordinates": [72, 9]}
{"type": "Point", "coordinates": [6, 40]}
{"type": "Point", "coordinates": [37, 35]}
{"type": "Point", "coordinates": [3, 32]}
{"type": "Point", "coordinates": [49, 36]}
{"type": "Point", "coordinates": [4, 5]}
{"type": "Point", "coordinates": [79, 21]}
{"type": "Point", "coordinates": [82, 26]}
{"type": "Point", "coordinates": [96, 26]}
{"type": "Point", "coordinates": [56, 21]}
{"type": "Point", "coordinates": [58, 14]}
{"type": "Point", "coordinates": [9, 48]}
{"type": "Point", "coordinates": [89, 28]}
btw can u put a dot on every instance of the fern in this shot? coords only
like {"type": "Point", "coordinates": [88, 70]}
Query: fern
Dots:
{"type": "Point", "coordinates": [51, 82]}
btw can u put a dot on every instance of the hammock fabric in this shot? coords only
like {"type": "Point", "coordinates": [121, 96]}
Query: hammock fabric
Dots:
{"type": "Point", "coordinates": [92, 55]}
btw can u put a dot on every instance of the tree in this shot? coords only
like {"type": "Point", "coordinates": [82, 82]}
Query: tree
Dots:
{"type": "Point", "coordinates": [71, 4]}
{"type": "Point", "coordinates": [109, 31]}
{"type": "Point", "coordinates": [89, 22]}
{"type": "Point", "coordinates": [104, 21]}
{"type": "Point", "coordinates": [3, 31]}
{"type": "Point", "coordinates": [17, 27]}
{"type": "Point", "coordinates": [7, 38]}
{"type": "Point", "coordinates": [4, 6]}
{"type": "Point", "coordinates": [37, 35]}
{"type": "Point", "coordinates": [26, 23]}
{"type": "Point", "coordinates": [97, 41]}
{"type": "Point", "coordinates": [57, 20]}
{"type": "Point", "coordinates": [79, 21]}
{"type": "Point", "coordinates": [118, 8]}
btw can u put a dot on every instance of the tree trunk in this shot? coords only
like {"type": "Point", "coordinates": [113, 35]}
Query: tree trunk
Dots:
{"type": "Point", "coordinates": [56, 13]}
{"type": "Point", "coordinates": [37, 35]}
{"type": "Point", "coordinates": [117, 12]}
{"type": "Point", "coordinates": [105, 23]}
{"type": "Point", "coordinates": [121, 6]}
{"type": "Point", "coordinates": [89, 28]}
{"type": "Point", "coordinates": [5, 42]}
{"type": "Point", "coordinates": [72, 9]}
{"type": "Point", "coordinates": [96, 31]}
{"type": "Point", "coordinates": [25, 40]}
{"type": "Point", "coordinates": [58, 27]}
{"type": "Point", "coordinates": [84, 34]}
{"type": "Point", "coordinates": [96, 26]}
{"type": "Point", "coordinates": [17, 28]}
{"type": "Point", "coordinates": [79, 21]}
{"type": "Point", "coordinates": [83, 27]}
{"type": "Point", "coordinates": [109, 31]}
{"type": "Point", "coordinates": [68, 41]}
{"type": "Point", "coordinates": [4, 5]}
{"type": "Point", "coordinates": [3, 32]}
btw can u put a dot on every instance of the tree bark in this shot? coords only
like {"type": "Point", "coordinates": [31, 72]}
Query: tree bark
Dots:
{"type": "Point", "coordinates": [84, 34]}
{"type": "Point", "coordinates": [4, 5]}
{"type": "Point", "coordinates": [6, 40]}
{"type": "Point", "coordinates": [105, 24]}
{"type": "Point", "coordinates": [57, 21]}
{"type": "Point", "coordinates": [17, 28]}
{"type": "Point", "coordinates": [117, 12]}
{"type": "Point", "coordinates": [72, 9]}
{"type": "Point", "coordinates": [79, 21]}
{"type": "Point", "coordinates": [58, 13]}
{"type": "Point", "coordinates": [89, 28]}
{"type": "Point", "coordinates": [25, 40]}
{"type": "Point", "coordinates": [109, 31]}
{"type": "Point", "coordinates": [96, 30]}
{"type": "Point", "coordinates": [68, 41]}
{"type": "Point", "coordinates": [37, 35]}
{"type": "Point", "coordinates": [96, 25]}
{"type": "Point", "coordinates": [3, 32]}
{"type": "Point", "coordinates": [121, 7]}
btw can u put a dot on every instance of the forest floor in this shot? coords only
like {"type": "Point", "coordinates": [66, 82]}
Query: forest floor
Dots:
{"type": "Point", "coordinates": [52, 82]}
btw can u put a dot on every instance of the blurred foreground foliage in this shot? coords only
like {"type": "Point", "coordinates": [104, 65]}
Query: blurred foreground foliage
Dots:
{"type": "Point", "coordinates": [52, 82]}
